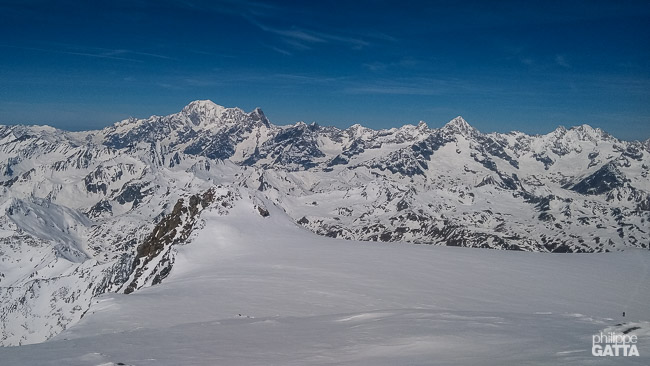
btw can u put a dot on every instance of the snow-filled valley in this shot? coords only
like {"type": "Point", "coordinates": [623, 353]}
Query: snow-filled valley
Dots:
{"type": "Point", "coordinates": [212, 236]}
{"type": "Point", "coordinates": [254, 290]}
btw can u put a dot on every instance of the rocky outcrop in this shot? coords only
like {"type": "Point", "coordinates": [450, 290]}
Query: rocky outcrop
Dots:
{"type": "Point", "coordinates": [154, 260]}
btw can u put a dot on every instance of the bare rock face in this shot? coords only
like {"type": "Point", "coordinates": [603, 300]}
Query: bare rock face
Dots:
{"type": "Point", "coordinates": [155, 257]}
{"type": "Point", "coordinates": [602, 181]}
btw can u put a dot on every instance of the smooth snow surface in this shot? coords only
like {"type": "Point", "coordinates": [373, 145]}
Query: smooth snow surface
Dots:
{"type": "Point", "coordinates": [262, 291]}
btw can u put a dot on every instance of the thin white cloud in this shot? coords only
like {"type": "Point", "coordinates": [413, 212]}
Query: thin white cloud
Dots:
{"type": "Point", "coordinates": [95, 52]}
{"type": "Point", "coordinates": [280, 50]}
{"type": "Point", "coordinates": [296, 34]}
{"type": "Point", "coordinates": [528, 61]}
{"type": "Point", "coordinates": [352, 41]}
{"type": "Point", "coordinates": [300, 38]}
{"type": "Point", "coordinates": [201, 82]}
{"type": "Point", "coordinates": [419, 86]}
{"type": "Point", "coordinates": [561, 61]}
{"type": "Point", "coordinates": [110, 52]}
{"type": "Point", "coordinates": [84, 54]}
{"type": "Point", "coordinates": [392, 90]}
{"type": "Point", "coordinates": [229, 7]}
{"type": "Point", "coordinates": [378, 66]}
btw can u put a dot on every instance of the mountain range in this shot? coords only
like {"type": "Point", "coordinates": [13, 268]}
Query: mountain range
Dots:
{"type": "Point", "coordinates": [84, 213]}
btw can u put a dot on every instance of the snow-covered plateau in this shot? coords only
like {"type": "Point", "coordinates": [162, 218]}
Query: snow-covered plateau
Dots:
{"type": "Point", "coordinates": [190, 239]}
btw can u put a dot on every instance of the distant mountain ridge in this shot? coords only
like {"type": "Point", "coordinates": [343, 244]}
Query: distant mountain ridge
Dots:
{"type": "Point", "coordinates": [94, 211]}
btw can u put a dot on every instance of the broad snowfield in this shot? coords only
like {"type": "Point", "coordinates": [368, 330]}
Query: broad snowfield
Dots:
{"type": "Point", "coordinates": [253, 290]}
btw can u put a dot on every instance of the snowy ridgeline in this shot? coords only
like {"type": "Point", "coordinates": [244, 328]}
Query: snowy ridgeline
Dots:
{"type": "Point", "coordinates": [88, 213]}
{"type": "Point", "coordinates": [259, 290]}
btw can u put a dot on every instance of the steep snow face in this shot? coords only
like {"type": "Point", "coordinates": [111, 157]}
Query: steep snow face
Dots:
{"type": "Point", "coordinates": [251, 289]}
{"type": "Point", "coordinates": [80, 206]}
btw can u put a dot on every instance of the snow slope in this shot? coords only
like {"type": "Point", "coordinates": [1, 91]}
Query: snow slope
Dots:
{"type": "Point", "coordinates": [254, 290]}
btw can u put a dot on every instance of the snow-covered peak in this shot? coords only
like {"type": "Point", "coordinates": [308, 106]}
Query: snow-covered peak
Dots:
{"type": "Point", "coordinates": [585, 132]}
{"type": "Point", "coordinates": [207, 114]}
{"type": "Point", "coordinates": [356, 128]}
{"type": "Point", "coordinates": [557, 133]}
{"type": "Point", "coordinates": [579, 133]}
{"type": "Point", "coordinates": [413, 132]}
{"type": "Point", "coordinates": [203, 111]}
{"type": "Point", "coordinates": [357, 131]}
{"type": "Point", "coordinates": [203, 106]}
{"type": "Point", "coordinates": [258, 116]}
{"type": "Point", "coordinates": [458, 125]}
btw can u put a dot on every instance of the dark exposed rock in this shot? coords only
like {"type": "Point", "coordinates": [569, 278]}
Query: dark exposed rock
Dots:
{"type": "Point", "coordinates": [100, 208]}
{"type": "Point", "coordinates": [356, 147]}
{"type": "Point", "coordinates": [133, 192]}
{"type": "Point", "coordinates": [172, 229]}
{"type": "Point", "coordinates": [488, 180]}
{"type": "Point", "coordinates": [402, 205]}
{"type": "Point", "coordinates": [10, 182]}
{"type": "Point", "coordinates": [603, 180]}
{"type": "Point", "coordinates": [544, 159]}
{"type": "Point", "coordinates": [263, 211]}
{"type": "Point", "coordinates": [338, 160]}
{"type": "Point", "coordinates": [175, 160]}
{"type": "Point", "coordinates": [494, 148]}
{"type": "Point", "coordinates": [634, 152]}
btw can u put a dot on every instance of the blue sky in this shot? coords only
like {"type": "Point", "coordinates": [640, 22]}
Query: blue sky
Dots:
{"type": "Point", "coordinates": [503, 65]}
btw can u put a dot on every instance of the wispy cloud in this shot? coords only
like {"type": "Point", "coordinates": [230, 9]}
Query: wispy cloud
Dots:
{"type": "Point", "coordinates": [280, 50]}
{"type": "Point", "coordinates": [528, 61]}
{"type": "Point", "coordinates": [200, 82]}
{"type": "Point", "coordinates": [284, 79]}
{"type": "Point", "coordinates": [95, 52]}
{"type": "Point", "coordinates": [377, 66]}
{"type": "Point", "coordinates": [229, 7]}
{"type": "Point", "coordinates": [562, 61]}
{"type": "Point", "coordinates": [167, 86]}
{"type": "Point", "coordinates": [294, 33]}
{"type": "Point", "coordinates": [408, 86]}
{"type": "Point", "coordinates": [419, 86]}
{"type": "Point", "coordinates": [354, 42]}
{"type": "Point", "coordinates": [73, 53]}
{"type": "Point", "coordinates": [228, 79]}
{"type": "Point", "coordinates": [302, 38]}
{"type": "Point", "coordinates": [110, 52]}
{"type": "Point", "coordinates": [392, 90]}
